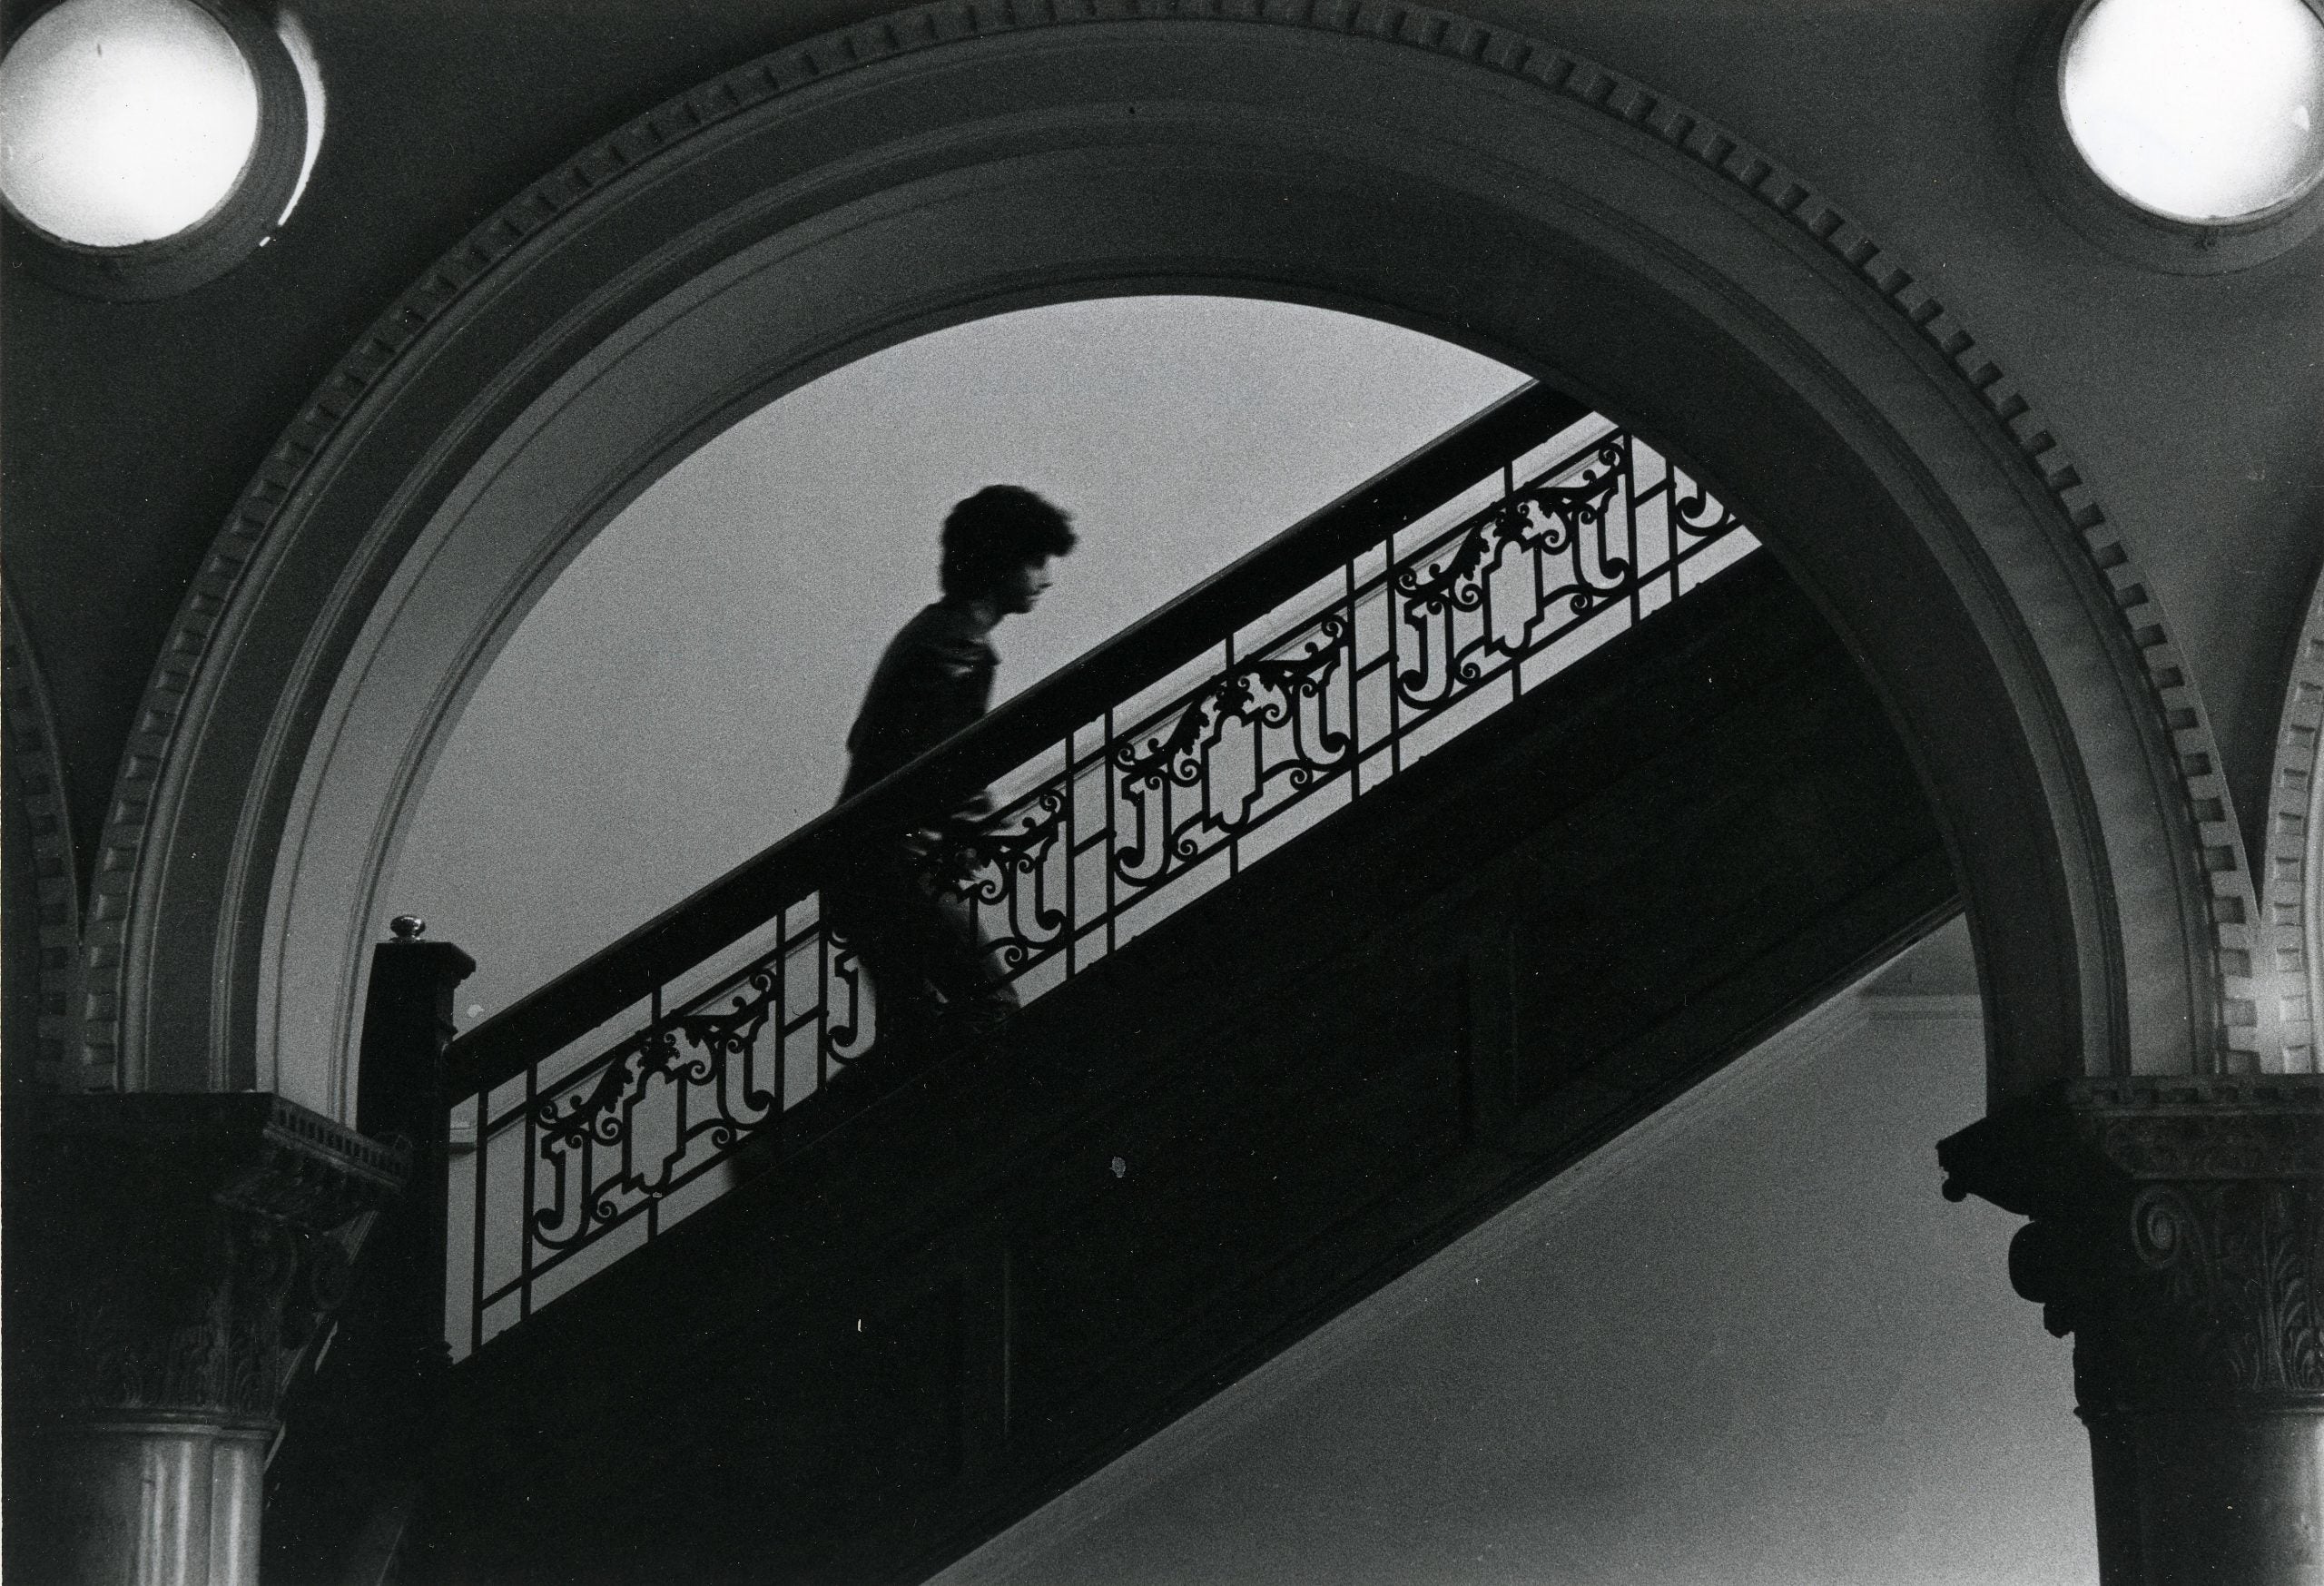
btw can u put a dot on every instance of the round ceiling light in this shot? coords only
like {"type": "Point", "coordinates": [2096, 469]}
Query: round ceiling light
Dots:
{"type": "Point", "coordinates": [2205, 111]}
{"type": "Point", "coordinates": [147, 146]}
{"type": "Point", "coordinates": [123, 120]}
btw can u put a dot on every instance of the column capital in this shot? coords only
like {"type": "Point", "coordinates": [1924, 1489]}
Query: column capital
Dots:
{"type": "Point", "coordinates": [2177, 1233]}
{"type": "Point", "coordinates": [179, 1252]}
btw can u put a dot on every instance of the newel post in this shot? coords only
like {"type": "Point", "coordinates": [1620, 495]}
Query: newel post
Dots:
{"type": "Point", "coordinates": [368, 1421]}
{"type": "Point", "coordinates": [402, 1095]}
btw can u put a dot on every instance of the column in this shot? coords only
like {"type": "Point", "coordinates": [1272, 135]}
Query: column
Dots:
{"type": "Point", "coordinates": [2177, 1233]}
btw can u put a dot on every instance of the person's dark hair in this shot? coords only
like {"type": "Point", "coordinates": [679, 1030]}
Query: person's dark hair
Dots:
{"type": "Point", "coordinates": [1001, 527]}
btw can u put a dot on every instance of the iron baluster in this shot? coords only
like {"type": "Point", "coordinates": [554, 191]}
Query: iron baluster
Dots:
{"type": "Point", "coordinates": [1533, 564]}
{"type": "Point", "coordinates": [1354, 709]}
{"type": "Point", "coordinates": [823, 1001]}
{"type": "Point", "coordinates": [1673, 532]}
{"type": "Point", "coordinates": [1258, 778]}
{"type": "Point", "coordinates": [475, 1254]}
{"type": "Point", "coordinates": [525, 1240]}
{"type": "Point", "coordinates": [1113, 812]}
{"type": "Point", "coordinates": [1395, 663]}
{"type": "Point", "coordinates": [782, 1017]}
{"type": "Point", "coordinates": [658, 1035]}
{"type": "Point", "coordinates": [1072, 857]}
{"type": "Point", "coordinates": [1538, 560]}
{"type": "Point", "coordinates": [1630, 536]}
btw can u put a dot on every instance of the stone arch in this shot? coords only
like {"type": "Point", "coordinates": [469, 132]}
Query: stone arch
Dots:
{"type": "Point", "coordinates": [2291, 891]}
{"type": "Point", "coordinates": [35, 794]}
{"type": "Point", "coordinates": [957, 159]}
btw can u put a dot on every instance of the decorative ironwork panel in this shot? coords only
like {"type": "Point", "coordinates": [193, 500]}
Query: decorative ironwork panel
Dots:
{"type": "Point", "coordinates": [1132, 814]}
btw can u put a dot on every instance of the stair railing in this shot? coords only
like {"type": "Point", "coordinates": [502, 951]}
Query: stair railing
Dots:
{"type": "Point", "coordinates": [1159, 765]}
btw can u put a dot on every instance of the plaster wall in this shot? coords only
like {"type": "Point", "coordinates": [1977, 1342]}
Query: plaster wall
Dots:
{"type": "Point", "coordinates": [1743, 1343]}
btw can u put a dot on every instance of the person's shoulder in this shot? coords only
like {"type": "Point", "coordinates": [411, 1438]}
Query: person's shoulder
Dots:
{"type": "Point", "coordinates": [951, 633]}
{"type": "Point", "coordinates": [931, 627]}
{"type": "Point", "coordinates": [934, 620]}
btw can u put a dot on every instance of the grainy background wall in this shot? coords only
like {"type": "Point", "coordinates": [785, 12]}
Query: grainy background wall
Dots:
{"type": "Point", "coordinates": [1745, 1343]}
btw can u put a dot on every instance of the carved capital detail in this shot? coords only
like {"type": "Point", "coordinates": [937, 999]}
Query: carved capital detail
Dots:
{"type": "Point", "coordinates": [2177, 1233]}
{"type": "Point", "coordinates": [182, 1253]}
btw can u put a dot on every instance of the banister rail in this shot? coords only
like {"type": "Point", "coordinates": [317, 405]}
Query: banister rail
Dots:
{"type": "Point", "coordinates": [748, 896]}
{"type": "Point", "coordinates": [1205, 736]}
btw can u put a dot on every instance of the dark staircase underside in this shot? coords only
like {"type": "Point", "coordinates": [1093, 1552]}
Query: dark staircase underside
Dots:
{"type": "Point", "coordinates": [904, 1329]}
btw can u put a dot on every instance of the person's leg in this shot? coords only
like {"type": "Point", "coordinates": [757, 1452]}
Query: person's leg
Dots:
{"type": "Point", "coordinates": [904, 1006]}
{"type": "Point", "coordinates": [978, 996]}
{"type": "Point", "coordinates": [881, 918]}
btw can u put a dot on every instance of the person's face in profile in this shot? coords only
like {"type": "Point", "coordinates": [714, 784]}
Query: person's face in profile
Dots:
{"type": "Point", "coordinates": [1020, 588]}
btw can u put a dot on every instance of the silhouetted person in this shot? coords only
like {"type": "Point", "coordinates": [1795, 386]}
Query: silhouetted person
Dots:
{"type": "Point", "coordinates": [930, 965]}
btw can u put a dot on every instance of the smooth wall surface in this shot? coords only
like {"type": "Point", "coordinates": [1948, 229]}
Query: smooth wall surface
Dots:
{"type": "Point", "coordinates": [1747, 1343]}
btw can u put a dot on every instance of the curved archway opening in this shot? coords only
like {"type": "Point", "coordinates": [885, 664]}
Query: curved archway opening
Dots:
{"type": "Point", "coordinates": [1521, 204]}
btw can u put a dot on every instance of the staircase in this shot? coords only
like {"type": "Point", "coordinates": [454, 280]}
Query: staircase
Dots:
{"type": "Point", "coordinates": [1355, 894]}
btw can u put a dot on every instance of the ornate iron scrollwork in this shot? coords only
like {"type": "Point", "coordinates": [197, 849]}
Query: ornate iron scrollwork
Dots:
{"type": "Point", "coordinates": [722, 1041]}
{"type": "Point", "coordinates": [1560, 533]}
{"type": "Point", "coordinates": [1262, 693]}
{"type": "Point", "coordinates": [1080, 841]}
{"type": "Point", "coordinates": [1003, 867]}
{"type": "Point", "coordinates": [1265, 694]}
{"type": "Point", "coordinates": [1544, 518]}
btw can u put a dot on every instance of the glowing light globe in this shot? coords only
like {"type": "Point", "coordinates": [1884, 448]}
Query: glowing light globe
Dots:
{"type": "Point", "coordinates": [123, 120]}
{"type": "Point", "coordinates": [2204, 111]}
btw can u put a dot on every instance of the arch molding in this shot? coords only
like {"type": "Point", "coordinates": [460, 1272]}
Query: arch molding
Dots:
{"type": "Point", "coordinates": [954, 160]}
